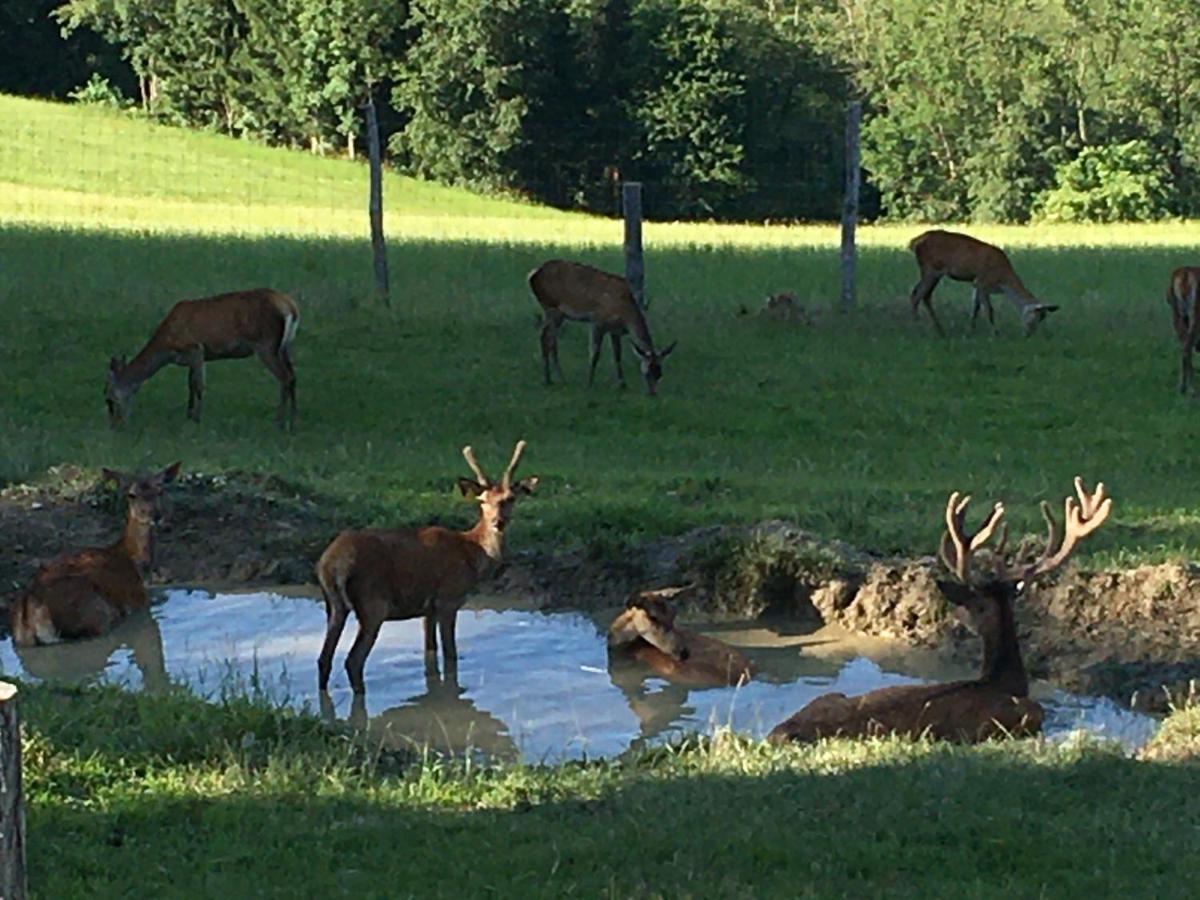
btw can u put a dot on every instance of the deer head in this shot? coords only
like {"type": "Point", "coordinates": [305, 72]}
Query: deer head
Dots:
{"type": "Point", "coordinates": [1033, 314]}
{"type": "Point", "coordinates": [117, 394]}
{"type": "Point", "coordinates": [496, 498]}
{"type": "Point", "coordinates": [143, 493]}
{"type": "Point", "coordinates": [650, 615]}
{"type": "Point", "coordinates": [650, 362]}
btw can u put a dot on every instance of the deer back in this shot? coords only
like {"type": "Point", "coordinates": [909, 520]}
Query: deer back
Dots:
{"type": "Point", "coordinates": [231, 323]}
{"type": "Point", "coordinates": [584, 292]}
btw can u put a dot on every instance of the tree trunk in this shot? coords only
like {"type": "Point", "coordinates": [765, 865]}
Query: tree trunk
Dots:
{"type": "Point", "coordinates": [12, 813]}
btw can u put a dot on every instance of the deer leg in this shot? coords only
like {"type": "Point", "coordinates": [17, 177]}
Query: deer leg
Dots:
{"type": "Point", "coordinates": [283, 373]}
{"type": "Point", "coordinates": [431, 665]}
{"type": "Point", "coordinates": [549, 342]}
{"type": "Point", "coordinates": [195, 364]}
{"type": "Point", "coordinates": [923, 293]}
{"type": "Point", "coordinates": [335, 621]}
{"type": "Point", "coordinates": [595, 339]}
{"type": "Point", "coordinates": [356, 659]}
{"type": "Point", "coordinates": [1185, 369]}
{"type": "Point", "coordinates": [616, 348]}
{"type": "Point", "coordinates": [982, 300]}
{"type": "Point", "coordinates": [285, 356]}
{"type": "Point", "coordinates": [446, 623]}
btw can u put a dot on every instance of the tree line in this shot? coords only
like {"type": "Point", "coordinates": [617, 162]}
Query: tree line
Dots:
{"type": "Point", "coordinates": [985, 110]}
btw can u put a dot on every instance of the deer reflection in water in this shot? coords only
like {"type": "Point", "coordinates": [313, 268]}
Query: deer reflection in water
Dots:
{"type": "Point", "coordinates": [644, 642]}
{"type": "Point", "coordinates": [85, 660]}
{"type": "Point", "coordinates": [441, 719]}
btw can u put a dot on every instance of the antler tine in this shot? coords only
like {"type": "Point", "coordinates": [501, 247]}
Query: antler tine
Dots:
{"type": "Point", "coordinates": [957, 537]}
{"type": "Point", "coordinates": [512, 463]}
{"type": "Point", "coordinates": [469, 456]}
{"type": "Point", "coordinates": [1079, 520]}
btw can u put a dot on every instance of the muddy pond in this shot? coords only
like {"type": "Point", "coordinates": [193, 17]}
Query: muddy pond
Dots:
{"type": "Point", "coordinates": [531, 685]}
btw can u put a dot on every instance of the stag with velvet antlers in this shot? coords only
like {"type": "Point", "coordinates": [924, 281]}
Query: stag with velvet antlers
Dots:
{"type": "Point", "coordinates": [228, 326]}
{"type": "Point", "coordinates": [570, 290]}
{"type": "Point", "coordinates": [964, 258]}
{"type": "Point", "coordinates": [997, 703]}
{"type": "Point", "coordinates": [386, 574]}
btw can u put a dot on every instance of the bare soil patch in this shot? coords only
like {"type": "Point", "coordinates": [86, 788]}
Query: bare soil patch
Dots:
{"type": "Point", "coordinates": [1131, 634]}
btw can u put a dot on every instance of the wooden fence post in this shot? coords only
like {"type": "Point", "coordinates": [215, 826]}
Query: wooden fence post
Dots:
{"type": "Point", "coordinates": [12, 813]}
{"type": "Point", "coordinates": [635, 270]}
{"type": "Point", "coordinates": [375, 203]}
{"type": "Point", "coordinates": [850, 203]}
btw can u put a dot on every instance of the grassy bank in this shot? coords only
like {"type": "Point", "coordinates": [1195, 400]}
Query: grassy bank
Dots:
{"type": "Point", "coordinates": [169, 796]}
{"type": "Point", "coordinates": [856, 427]}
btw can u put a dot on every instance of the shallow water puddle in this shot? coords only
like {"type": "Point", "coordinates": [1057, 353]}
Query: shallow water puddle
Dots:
{"type": "Point", "coordinates": [531, 685]}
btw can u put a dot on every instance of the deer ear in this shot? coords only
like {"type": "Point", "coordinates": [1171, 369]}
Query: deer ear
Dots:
{"type": "Point", "coordinates": [956, 593]}
{"type": "Point", "coordinates": [1048, 308]}
{"type": "Point", "coordinates": [168, 474]}
{"type": "Point", "coordinates": [525, 485]}
{"type": "Point", "coordinates": [470, 487]}
{"type": "Point", "coordinates": [638, 350]}
{"type": "Point", "coordinates": [667, 352]}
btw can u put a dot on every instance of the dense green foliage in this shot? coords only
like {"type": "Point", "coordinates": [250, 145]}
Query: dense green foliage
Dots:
{"type": "Point", "coordinates": [169, 796]}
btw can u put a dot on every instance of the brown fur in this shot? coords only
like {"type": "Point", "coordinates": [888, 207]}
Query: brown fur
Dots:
{"type": "Point", "coordinates": [570, 290]}
{"type": "Point", "coordinates": [388, 574]}
{"type": "Point", "coordinates": [227, 326]}
{"type": "Point", "coordinates": [84, 594]}
{"type": "Point", "coordinates": [964, 258]}
{"type": "Point", "coordinates": [646, 630]}
{"type": "Point", "coordinates": [1183, 296]}
{"type": "Point", "coordinates": [997, 703]}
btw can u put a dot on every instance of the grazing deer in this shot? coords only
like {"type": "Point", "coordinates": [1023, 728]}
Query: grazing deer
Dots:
{"type": "Point", "coordinates": [227, 326]}
{"type": "Point", "coordinates": [84, 594]}
{"type": "Point", "coordinates": [963, 258]}
{"type": "Point", "coordinates": [1183, 292]}
{"type": "Point", "coordinates": [388, 574]}
{"type": "Point", "coordinates": [569, 290]}
{"type": "Point", "coordinates": [646, 630]}
{"type": "Point", "coordinates": [996, 704]}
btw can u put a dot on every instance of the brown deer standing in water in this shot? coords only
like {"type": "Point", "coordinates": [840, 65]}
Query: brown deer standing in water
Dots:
{"type": "Point", "coordinates": [996, 704]}
{"type": "Point", "coordinates": [964, 258]}
{"type": "Point", "coordinates": [645, 630]}
{"type": "Point", "coordinates": [84, 594]}
{"type": "Point", "coordinates": [227, 326]}
{"type": "Point", "coordinates": [388, 574]}
{"type": "Point", "coordinates": [1183, 293]}
{"type": "Point", "coordinates": [570, 290]}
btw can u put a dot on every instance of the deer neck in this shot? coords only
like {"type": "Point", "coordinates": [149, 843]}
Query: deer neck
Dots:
{"type": "Point", "coordinates": [490, 542]}
{"type": "Point", "coordinates": [137, 541]}
{"type": "Point", "coordinates": [149, 360]}
{"type": "Point", "coordinates": [1002, 665]}
{"type": "Point", "coordinates": [1017, 292]}
{"type": "Point", "coordinates": [639, 331]}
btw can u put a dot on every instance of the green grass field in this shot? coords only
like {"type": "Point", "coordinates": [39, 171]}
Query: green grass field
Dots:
{"type": "Point", "coordinates": [857, 427]}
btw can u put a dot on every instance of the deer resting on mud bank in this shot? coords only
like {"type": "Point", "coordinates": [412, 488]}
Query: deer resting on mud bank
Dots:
{"type": "Point", "coordinates": [570, 290]}
{"type": "Point", "coordinates": [963, 258]}
{"type": "Point", "coordinates": [645, 630]}
{"type": "Point", "coordinates": [227, 326]}
{"type": "Point", "coordinates": [997, 703]}
{"type": "Point", "coordinates": [387, 574]}
{"type": "Point", "coordinates": [84, 594]}
{"type": "Point", "coordinates": [1183, 295]}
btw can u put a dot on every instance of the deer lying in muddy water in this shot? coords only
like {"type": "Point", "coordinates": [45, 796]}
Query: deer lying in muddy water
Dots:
{"type": "Point", "coordinates": [997, 703]}
{"type": "Point", "coordinates": [227, 326]}
{"type": "Point", "coordinates": [570, 290]}
{"type": "Point", "coordinates": [963, 258]}
{"type": "Point", "coordinates": [1183, 296]}
{"type": "Point", "coordinates": [82, 595]}
{"type": "Point", "coordinates": [646, 631]}
{"type": "Point", "coordinates": [387, 574]}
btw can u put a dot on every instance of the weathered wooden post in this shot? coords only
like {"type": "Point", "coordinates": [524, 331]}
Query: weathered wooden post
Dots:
{"type": "Point", "coordinates": [850, 203]}
{"type": "Point", "coordinates": [635, 269]}
{"type": "Point", "coordinates": [375, 203]}
{"type": "Point", "coordinates": [12, 813]}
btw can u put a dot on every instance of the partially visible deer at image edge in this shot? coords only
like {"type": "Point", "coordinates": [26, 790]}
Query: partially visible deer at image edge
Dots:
{"type": "Point", "coordinates": [997, 703]}
{"type": "Point", "coordinates": [1183, 293]}
{"type": "Point", "coordinates": [569, 290]}
{"type": "Point", "coordinates": [386, 574]}
{"type": "Point", "coordinates": [82, 595]}
{"type": "Point", "coordinates": [261, 322]}
{"type": "Point", "coordinates": [963, 258]}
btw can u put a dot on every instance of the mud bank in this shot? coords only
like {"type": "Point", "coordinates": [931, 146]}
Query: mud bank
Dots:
{"type": "Point", "coordinates": [1133, 635]}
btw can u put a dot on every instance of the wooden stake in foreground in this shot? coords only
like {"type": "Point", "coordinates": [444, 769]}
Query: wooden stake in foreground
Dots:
{"type": "Point", "coordinates": [12, 813]}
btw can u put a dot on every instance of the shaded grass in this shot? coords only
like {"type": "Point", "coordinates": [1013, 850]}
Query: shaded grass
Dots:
{"type": "Point", "coordinates": [169, 796]}
{"type": "Point", "coordinates": [856, 428]}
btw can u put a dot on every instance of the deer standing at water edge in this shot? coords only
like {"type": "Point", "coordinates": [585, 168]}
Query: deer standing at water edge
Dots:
{"type": "Point", "coordinates": [569, 290]}
{"type": "Point", "coordinates": [963, 258]}
{"type": "Point", "coordinates": [387, 574]}
{"type": "Point", "coordinates": [84, 594]}
{"type": "Point", "coordinates": [996, 704]}
{"type": "Point", "coordinates": [227, 326]}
